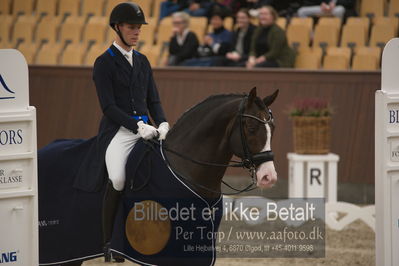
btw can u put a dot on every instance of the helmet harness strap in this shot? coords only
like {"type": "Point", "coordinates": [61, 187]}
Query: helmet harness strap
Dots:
{"type": "Point", "coordinates": [116, 28]}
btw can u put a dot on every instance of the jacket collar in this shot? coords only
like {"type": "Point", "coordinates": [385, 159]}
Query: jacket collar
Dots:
{"type": "Point", "coordinates": [120, 59]}
{"type": "Point", "coordinates": [123, 51]}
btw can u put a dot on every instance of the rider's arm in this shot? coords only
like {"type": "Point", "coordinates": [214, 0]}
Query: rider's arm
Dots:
{"type": "Point", "coordinates": [105, 92]}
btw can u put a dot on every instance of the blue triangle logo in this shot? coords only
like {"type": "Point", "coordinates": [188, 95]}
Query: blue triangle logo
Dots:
{"type": "Point", "coordinates": [5, 87]}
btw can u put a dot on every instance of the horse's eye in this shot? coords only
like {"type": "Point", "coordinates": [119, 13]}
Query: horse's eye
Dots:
{"type": "Point", "coordinates": [252, 127]}
{"type": "Point", "coordinates": [252, 130]}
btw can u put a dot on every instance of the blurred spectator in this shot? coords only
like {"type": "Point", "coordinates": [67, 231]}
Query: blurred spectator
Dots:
{"type": "Point", "coordinates": [258, 3]}
{"type": "Point", "coordinates": [269, 47]}
{"type": "Point", "coordinates": [196, 8]}
{"type": "Point", "coordinates": [238, 54]}
{"type": "Point", "coordinates": [285, 8]}
{"type": "Point", "coordinates": [254, 5]}
{"type": "Point", "coordinates": [233, 5]}
{"type": "Point", "coordinates": [168, 7]}
{"type": "Point", "coordinates": [317, 8]}
{"type": "Point", "coordinates": [184, 43]}
{"type": "Point", "coordinates": [224, 7]}
{"type": "Point", "coordinates": [350, 8]}
{"type": "Point", "coordinates": [220, 40]}
{"type": "Point", "coordinates": [216, 44]}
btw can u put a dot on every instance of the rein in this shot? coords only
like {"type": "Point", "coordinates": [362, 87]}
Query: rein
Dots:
{"type": "Point", "coordinates": [249, 161]}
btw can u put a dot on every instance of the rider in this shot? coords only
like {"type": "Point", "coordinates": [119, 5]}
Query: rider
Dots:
{"type": "Point", "coordinates": [127, 93]}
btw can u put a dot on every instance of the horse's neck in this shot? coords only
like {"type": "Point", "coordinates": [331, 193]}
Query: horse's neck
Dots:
{"type": "Point", "coordinates": [203, 135]}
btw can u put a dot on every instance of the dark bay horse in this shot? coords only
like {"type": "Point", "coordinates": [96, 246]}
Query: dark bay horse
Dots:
{"type": "Point", "coordinates": [198, 148]}
{"type": "Point", "coordinates": [210, 132]}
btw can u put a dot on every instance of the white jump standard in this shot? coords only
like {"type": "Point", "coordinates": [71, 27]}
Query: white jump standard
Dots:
{"type": "Point", "coordinates": [386, 159]}
{"type": "Point", "coordinates": [18, 164]}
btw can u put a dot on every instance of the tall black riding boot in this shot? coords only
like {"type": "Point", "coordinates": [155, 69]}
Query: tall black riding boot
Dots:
{"type": "Point", "coordinates": [110, 206]}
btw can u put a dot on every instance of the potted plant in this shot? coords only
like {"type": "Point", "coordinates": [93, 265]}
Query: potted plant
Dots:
{"type": "Point", "coordinates": [311, 126]}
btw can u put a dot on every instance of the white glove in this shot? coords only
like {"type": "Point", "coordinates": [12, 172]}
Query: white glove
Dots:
{"type": "Point", "coordinates": [146, 131]}
{"type": "Point", "coordinates": [163, 130]}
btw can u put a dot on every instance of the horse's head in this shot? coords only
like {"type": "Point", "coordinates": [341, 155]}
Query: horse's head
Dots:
{"type": "Point", "coordinates": [251, 137]}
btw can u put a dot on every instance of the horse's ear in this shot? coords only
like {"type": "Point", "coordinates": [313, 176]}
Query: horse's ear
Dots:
{"type": "Point", "coordinates": [268, 100]}
{"type": "Point", "coordinates": [252, 96]}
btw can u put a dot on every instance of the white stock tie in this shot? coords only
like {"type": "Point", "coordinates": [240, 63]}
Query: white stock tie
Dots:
{"type": "Point", "coordinates": [129, 58]}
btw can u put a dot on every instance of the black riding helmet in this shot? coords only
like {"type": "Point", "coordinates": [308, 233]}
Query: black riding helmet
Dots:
{"type": "Point", "coordinates": [127, 12]}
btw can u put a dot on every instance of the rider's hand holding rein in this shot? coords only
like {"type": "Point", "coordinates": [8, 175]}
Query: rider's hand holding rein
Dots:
{"type": "Point", "coordinates": [146, 131]}
{"type": "Point", "coordinates": [163, 130]}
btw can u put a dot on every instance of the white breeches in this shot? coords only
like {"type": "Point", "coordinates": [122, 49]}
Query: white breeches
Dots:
{"type": "Point", "coordinates": [116, 156]}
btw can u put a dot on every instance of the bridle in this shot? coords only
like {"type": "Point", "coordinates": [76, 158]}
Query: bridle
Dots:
{"type": "Point", "coordinates": [249, 161]}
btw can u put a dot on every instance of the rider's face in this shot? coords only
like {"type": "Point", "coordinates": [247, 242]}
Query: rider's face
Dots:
{"type": "Point", "coordinates": [130, 33]}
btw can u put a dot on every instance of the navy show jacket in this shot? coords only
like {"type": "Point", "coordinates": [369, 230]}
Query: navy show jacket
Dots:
{"type": "Point", "coordinates": [123, 91]}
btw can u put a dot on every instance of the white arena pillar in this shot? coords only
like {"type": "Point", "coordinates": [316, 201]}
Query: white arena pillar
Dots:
{"type": "Point", "coordinates": [18, 164]}
{"type": "Point", "coordinates": [387, 158]}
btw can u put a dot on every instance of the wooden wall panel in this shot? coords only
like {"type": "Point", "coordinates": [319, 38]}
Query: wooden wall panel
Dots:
{"type": "Point", "coordinates": [67, 105]}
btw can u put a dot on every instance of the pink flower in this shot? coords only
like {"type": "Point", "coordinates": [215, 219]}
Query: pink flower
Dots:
{"type": "Point", "coordinates": [311, 107]}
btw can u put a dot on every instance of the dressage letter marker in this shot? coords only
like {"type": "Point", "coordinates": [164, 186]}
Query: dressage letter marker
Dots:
{"type": "Point", "coordinates": [315, 173]}
{"type": "Point", "coordinates": [18, 164]}
{"type": "Point", "coordinates": [313, 176]}
{"type": "Point", "coordinates": [387, 159]}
